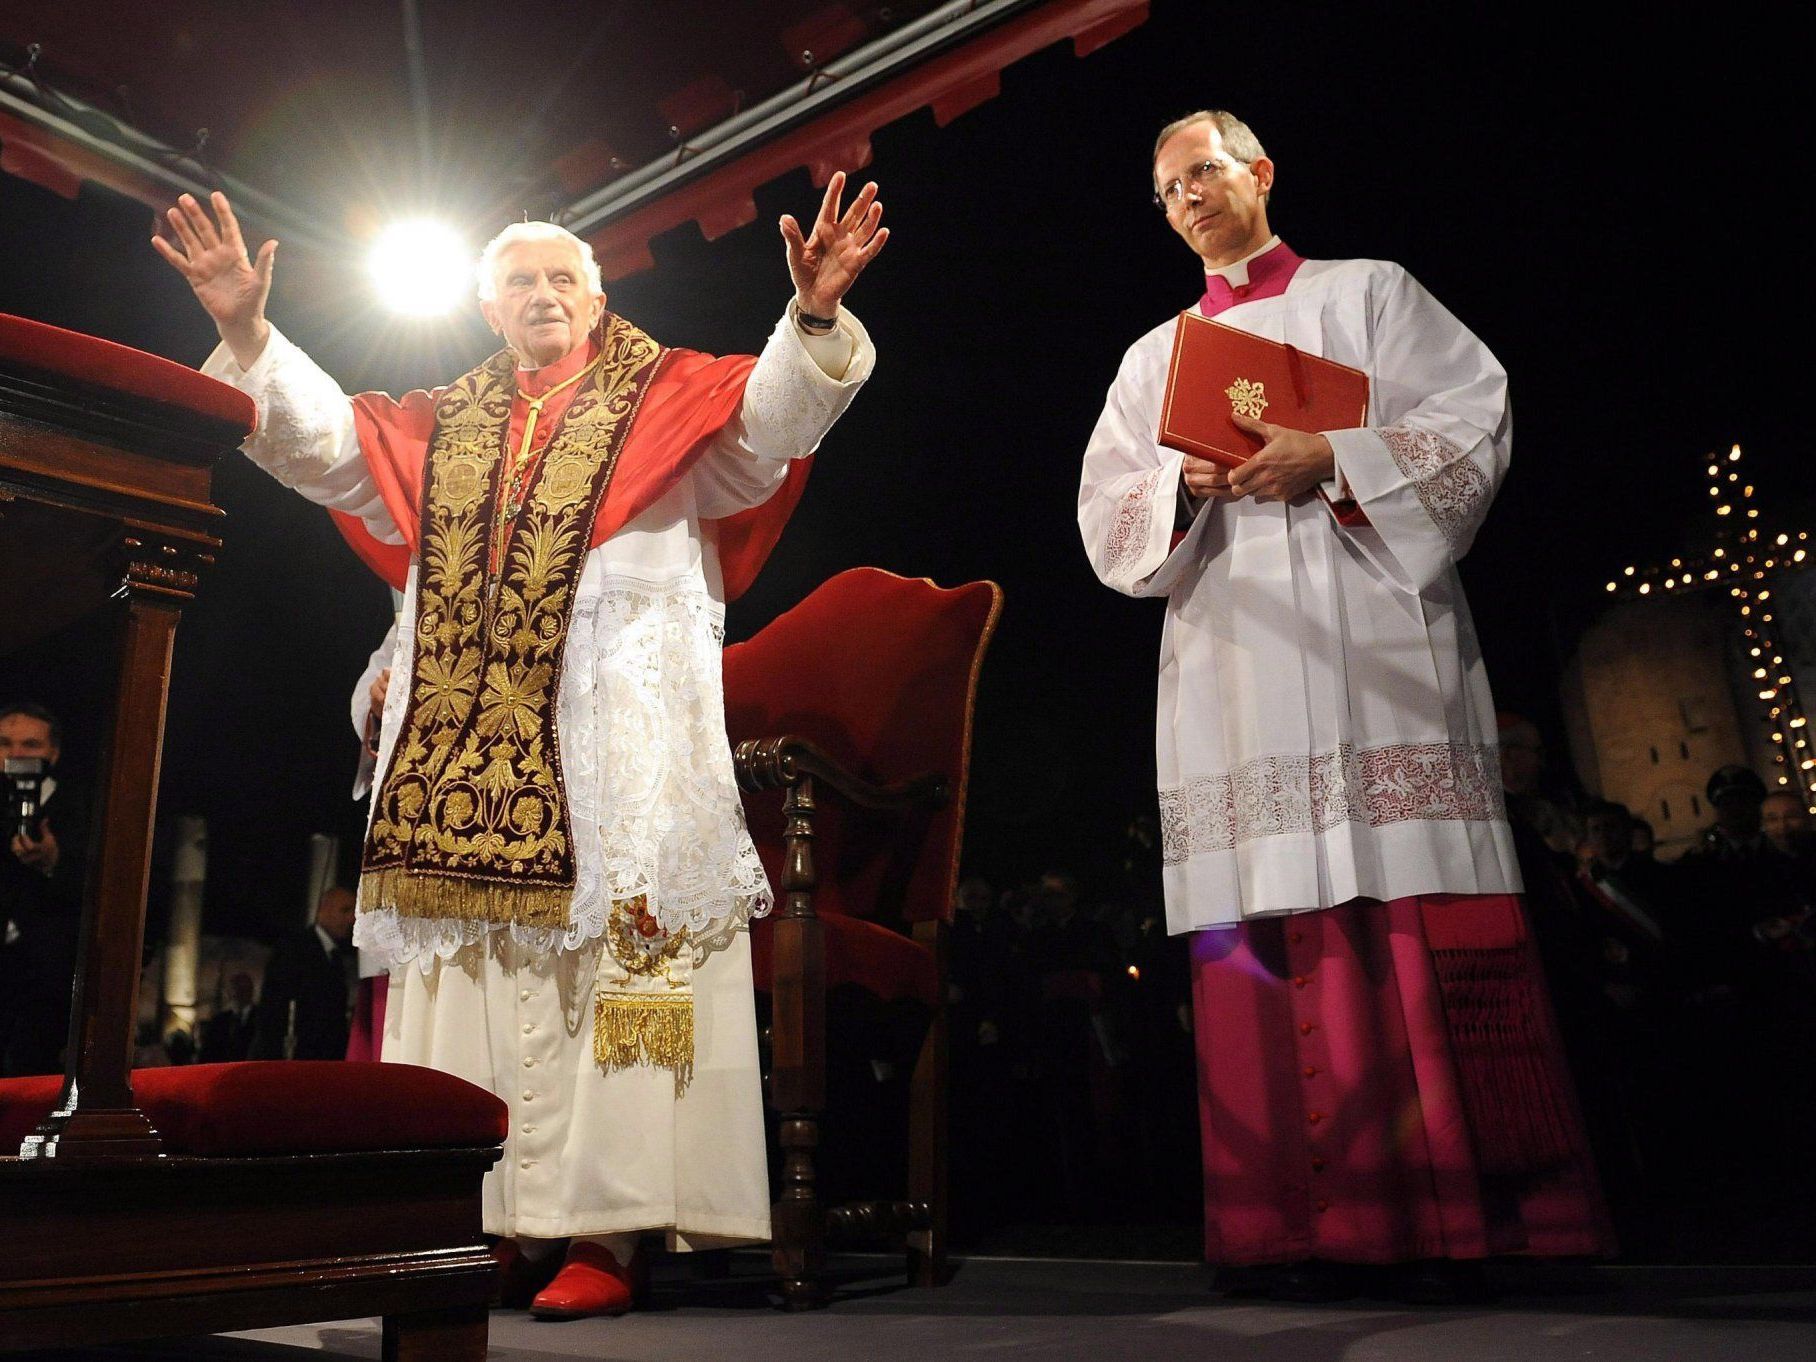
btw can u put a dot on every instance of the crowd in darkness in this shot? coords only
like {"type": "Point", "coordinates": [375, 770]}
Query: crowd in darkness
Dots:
{"type": "Point", "coordinates": [1072, 1100]}
{"type": "Point", "coordinates": [1685, 991]}
{"type": "Point", "coordinates": [1686, 994]}
{"type": "Point", "coordinates": [1073, 1095]}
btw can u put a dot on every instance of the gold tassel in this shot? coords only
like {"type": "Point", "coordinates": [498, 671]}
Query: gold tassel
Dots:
{"type": "Point", "coordinates": [409, 894]}
{"type": "Point", "coordinates": [631, 1029]}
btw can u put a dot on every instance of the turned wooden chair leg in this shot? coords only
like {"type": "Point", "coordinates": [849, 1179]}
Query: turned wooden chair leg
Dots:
{"type": "Point", "coordinates": [928, 1129]}
{"type": "Point", "coordinates": [797, 1083]}
{"type": "Point", "coordinates": [453, 1335]}
{"type": "Point", "coordinates": [799, 1219]}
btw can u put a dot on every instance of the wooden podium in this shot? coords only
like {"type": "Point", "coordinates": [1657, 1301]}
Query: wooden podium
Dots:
{"type": "Point", "coordinates": [105, 504]}
{"type": "Point", "coordinates": [108, 1232]}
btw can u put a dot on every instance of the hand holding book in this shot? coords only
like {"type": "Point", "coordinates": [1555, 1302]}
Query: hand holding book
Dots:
{"type": "Point", "coordinates": [1289, 463]}
{"type": "Point", "coordinates": [1222, 381]}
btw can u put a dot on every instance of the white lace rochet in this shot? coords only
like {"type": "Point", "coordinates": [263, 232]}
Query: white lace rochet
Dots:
{"type": "Point", "coordinates": [651, 794]}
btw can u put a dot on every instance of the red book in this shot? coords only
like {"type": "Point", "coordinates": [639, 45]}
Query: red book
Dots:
{"type": "Point", "coordinates": [1217, 370]}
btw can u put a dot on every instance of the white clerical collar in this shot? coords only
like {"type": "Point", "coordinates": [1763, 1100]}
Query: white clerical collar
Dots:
{"type": "Point", "coordinates": [1236, 274]}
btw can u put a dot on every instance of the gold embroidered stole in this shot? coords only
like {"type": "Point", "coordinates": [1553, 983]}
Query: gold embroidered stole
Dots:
{"type": "Point", "coordinates": [471, 821]}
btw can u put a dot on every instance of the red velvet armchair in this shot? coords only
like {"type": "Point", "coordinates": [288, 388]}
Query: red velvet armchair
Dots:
{"type": "Point", "coordinates": [850, 717]}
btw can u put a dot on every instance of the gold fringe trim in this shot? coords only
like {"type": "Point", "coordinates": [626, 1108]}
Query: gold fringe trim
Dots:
{"type": "Point", "coordinates": [631, 1029]}
{"type": "Point", "coordinates": [451, 897]}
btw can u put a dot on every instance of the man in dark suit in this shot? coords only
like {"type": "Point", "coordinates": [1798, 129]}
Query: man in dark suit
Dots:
{"type": "Point", "coordinates": [42, 867]}
{"type": "Point", "coordinates": [309, 984]}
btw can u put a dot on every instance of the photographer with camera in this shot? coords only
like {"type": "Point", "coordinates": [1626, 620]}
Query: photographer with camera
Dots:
{"type": "Point", "coordinates": [42, 858]}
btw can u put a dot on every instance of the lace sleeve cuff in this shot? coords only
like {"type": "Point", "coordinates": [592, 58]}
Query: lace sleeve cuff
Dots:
{"type": "Point", "coordinates": [305, 437]}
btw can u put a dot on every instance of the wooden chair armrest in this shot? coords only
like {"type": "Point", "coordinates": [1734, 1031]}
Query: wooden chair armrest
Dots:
{"type": "Point", "coordinates": [783, 762]}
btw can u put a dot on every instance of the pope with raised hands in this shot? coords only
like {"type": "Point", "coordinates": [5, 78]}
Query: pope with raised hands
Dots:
{"type": "Point", "coordinates": [557, 867]}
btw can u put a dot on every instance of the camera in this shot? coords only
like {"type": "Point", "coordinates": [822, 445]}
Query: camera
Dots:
{"type": "Point", "coordinates": [21, 782]}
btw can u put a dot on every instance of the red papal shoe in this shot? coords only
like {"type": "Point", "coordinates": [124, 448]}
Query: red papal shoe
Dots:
{"type": "Point", "coordinates": [591, 1282]}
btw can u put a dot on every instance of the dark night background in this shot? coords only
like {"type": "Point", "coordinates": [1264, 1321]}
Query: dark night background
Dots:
{"type": "Point", "coordinates": [1605, 209]}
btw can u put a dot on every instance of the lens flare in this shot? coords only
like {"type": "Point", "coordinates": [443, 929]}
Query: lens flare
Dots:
{"type": "Point", "coordinates": [421, 268]}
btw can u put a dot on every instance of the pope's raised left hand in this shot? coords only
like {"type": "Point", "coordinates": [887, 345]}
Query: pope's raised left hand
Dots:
{"type": "Point", "coordinates": [825, 263]}
{"type": "Point", "coordinates": [1288, 465]}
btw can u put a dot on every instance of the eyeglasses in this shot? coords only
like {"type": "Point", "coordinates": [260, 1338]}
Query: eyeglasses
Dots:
{"type": "Point", "coordinates": [1172, 194]}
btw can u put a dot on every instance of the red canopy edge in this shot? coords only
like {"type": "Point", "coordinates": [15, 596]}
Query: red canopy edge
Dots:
{"type": "Point", "coordinates": [39, 155]}
{"type": "Point", "coordinates": [951, 84]}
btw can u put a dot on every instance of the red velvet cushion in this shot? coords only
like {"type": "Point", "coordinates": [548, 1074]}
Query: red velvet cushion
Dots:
{"type": "Point", "coordinates": [880, 671]}
{"type": "Point", "coordinates": [285, 1107]}
{"type": "Point", "coordinates": [101, 363]}
{"type": "Point", "coordinates": [883, 962]}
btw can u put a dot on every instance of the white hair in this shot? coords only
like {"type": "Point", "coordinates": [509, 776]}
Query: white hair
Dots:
{"type": "Point", "coordinates": [533, 231]}
{"type": "Point", "coordinates": [1238, 140]}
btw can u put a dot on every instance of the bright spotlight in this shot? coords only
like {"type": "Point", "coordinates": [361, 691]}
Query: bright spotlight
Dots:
{"type": "Point", "coordinates": [421, 268]}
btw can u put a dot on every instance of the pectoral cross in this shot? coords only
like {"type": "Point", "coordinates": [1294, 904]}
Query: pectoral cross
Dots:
{"type": "Point", "coordinates": [517, 477]}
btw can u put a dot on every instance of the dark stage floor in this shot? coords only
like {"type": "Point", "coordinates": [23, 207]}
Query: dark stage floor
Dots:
{"type": "Point", "coordinates": [1145, 1312]}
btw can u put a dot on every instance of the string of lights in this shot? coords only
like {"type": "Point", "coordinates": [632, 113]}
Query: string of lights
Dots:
{"type": "Point", "coordinates": [1748, 564]}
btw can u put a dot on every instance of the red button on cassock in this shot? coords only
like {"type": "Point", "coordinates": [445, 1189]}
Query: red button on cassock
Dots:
{"type": "Point", "coordinates": [1298, 981]}
{"type": "Point", "coordinates": [1314, 1116]}
{"type": "Point", "coordinates": [1324, 1205]}
{"type": "Point", "coordinates": [1305, 1028]}
{"type": "Point", "coordinates": [1295, 937]}
{"type": "Point", "coordinates": [1317, 1165]}
{"type": "Point", "coordinates": [1311, 1071]}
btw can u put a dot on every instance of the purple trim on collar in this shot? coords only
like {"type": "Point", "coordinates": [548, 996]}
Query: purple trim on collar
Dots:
{"type": "Point", "coordinates": [1269, 274]}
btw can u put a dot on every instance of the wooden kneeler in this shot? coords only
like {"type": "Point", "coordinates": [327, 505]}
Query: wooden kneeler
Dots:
{"type": "Point", "coordinates": [210, 1197]}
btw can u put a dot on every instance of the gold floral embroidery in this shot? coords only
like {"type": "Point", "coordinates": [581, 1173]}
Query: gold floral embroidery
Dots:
{"type": "Point", "coordinates": [471, 819]}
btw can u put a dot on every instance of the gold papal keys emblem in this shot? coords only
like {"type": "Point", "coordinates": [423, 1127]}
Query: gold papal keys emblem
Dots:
{"type": "Point", "coordinates": [1250, 399]}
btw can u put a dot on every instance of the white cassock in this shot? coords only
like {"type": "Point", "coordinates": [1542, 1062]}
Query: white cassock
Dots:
{"type": "Point", "coordinates": [654, 809]}
{"type": "Point", "coordinates": [1325, 730]}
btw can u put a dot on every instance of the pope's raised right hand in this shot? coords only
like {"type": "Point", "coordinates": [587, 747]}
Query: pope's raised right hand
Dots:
{"type": "Point", "coordinates": [231, 287]}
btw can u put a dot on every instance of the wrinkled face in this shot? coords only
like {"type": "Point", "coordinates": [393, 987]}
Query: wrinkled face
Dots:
{"type": "Point", "coordinates": [545, 307]}
{"type": "Point", "coordinates": [334, 914]}
{"type": "Point", "coordinates": [1784, 819]}
{"type": "Point", "coordinates": [1217, 204]}
{"type": "Point", "coordinates": [23, 736]}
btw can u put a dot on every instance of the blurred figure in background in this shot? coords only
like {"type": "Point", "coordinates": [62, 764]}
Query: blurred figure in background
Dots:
{"type": "Point", "coordinates": [227, 1035]}
{"type": "Point", "coordinates": [309, 986]}
{"type": "Point", "coordinates": [43, 860]}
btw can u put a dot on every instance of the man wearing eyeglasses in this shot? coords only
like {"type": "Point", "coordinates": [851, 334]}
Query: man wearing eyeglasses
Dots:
{"type": "Point", "coordinates": [1334, 833]}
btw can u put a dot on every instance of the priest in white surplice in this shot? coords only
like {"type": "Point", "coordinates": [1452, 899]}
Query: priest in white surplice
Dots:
{"type": "Point", "coordinates": [1379, 1075]}
{"type": "Point", "coordinates": [556, 865]}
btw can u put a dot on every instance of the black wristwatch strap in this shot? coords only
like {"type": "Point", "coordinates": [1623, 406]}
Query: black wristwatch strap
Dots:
{"type": "Point", "coordinates": [813, 323]}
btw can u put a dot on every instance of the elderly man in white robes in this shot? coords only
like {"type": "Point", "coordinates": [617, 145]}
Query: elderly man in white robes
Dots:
{"type": "Point", "coordinates": [556, 865]}
{"type": "Point", "coordinates": [1380, 1080]}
